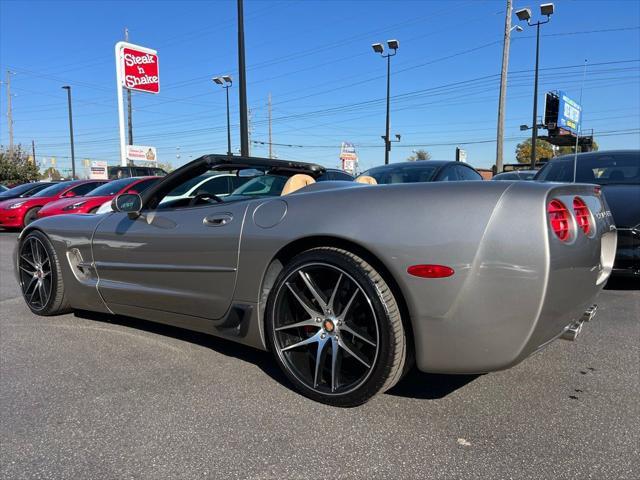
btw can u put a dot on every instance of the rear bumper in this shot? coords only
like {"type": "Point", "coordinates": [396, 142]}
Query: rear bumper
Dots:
{"type": "Point", "coordinates": [523, 290]}
{"type": "Point", "coordinates": [627, 262]}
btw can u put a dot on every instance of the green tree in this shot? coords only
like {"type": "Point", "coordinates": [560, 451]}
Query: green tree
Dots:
{"type": "Point", "coordinates": [568, 150]}
{"type": "Point", "coordinates": [17, 166]}
{"type": "Point", "coordinates": [51, 173]}
{"type": "Point", "coordinates": [419, 155]}
{"type": "Point", "coordinates": [544, 150]}
{"type": "Point", "coordinates": [165, 166]}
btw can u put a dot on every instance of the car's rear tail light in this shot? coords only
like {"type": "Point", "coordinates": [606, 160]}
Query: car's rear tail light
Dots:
{"type": "Point", "coordinates": [430, 271]}
{"type": "Point", "coordinates": [560, 219]}
{"type": "Point", "coordinates": [582, 215]}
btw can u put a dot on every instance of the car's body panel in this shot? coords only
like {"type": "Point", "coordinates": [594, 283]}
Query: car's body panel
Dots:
{"type": "Point", "coordinates": [515, 288]}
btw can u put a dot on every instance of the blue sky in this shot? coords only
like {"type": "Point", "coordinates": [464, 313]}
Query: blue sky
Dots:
{"type": "Point", "coordinates": [315, 59]}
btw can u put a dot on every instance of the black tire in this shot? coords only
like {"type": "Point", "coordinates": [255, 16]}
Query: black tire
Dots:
{"type": "Point", "coordinates": [53, 301]}
{"type": "Point", "coordinates": [94, 210]}
{"type": "Point", "coordinates": [370, 320]}
{"type": "Point", "coordinates": [30, 216]}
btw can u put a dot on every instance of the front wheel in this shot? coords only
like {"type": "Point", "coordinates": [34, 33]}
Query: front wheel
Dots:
{"type": "Point", "coordinates": [40, 276]}
{"type": "Point", "coordinates": [31, 216]}
{"type": "Point", "coordinates": [335, 328]}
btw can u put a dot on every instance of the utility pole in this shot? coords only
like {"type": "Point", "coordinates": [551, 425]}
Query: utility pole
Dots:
{"type": "Point", "coordinates": [270, 137]}
{"type": "Point", "coordinates": [130, 119]}
{"type": "Point", "coordinates": [249, 132]}
{"type": "Point", "coordinates": [33, 151]}
{"type": "Point", "coordinates": [9, 114]}
{"type": "Point", "coordinates": [73, 155]}
{"type": "Point", "coordinates": [503, 87]}
{"type": "Point", "coordinates": [242, 77]}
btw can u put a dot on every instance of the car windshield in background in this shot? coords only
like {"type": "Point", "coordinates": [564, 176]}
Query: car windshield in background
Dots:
{"type": "Point", "coordinates": [188, 185]}
{"type": "Point", "coordinates": [605, 169]}
{"type": "Point", "coordinates": [53, 189]}
{"type": "Point", "coordinates": [26, 189]}
{"type": "Point", "coordinates": [112, 187]}
{"type": "Point", "coordinates": [403, 173]}
{"type": "Point", "coordinates": [267, 185]}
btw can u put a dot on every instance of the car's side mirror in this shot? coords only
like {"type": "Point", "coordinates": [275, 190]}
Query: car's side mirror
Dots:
{"type": "Point", "coordinates": [130, 203]}
{"type": "Point", "coordinates": [70, 193]}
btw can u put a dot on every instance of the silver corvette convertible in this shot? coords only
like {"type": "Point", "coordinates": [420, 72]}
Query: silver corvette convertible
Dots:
{"type": "Point", "coordinates": [347, 283]}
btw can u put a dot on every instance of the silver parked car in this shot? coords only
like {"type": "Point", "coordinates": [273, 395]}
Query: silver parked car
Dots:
{"type": "Point", "coordinates": [346, 283]}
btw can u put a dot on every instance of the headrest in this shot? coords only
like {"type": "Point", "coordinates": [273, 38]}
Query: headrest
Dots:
{"type": "Point", "coordinates": [296, 182]}
{"type": "Point", "coordinates": [366, 179]}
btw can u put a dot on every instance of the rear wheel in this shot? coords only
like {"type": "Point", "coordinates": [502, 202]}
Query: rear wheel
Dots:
{"type": "Point", "coordinates": [335, 328]}
{"type": "Point", "coordinates": [40, 276]}
{"type": "Point", "coordinates": [30, 216]}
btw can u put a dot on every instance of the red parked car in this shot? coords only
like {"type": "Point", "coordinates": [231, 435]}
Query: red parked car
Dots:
{"type": "Point", "coordinates": [92, 201]}
{"type": "Point", "coordinates": [19, 212]}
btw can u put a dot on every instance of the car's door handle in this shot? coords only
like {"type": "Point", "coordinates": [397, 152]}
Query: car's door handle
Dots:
{"type": "Point", "coordinates": [217, 220]}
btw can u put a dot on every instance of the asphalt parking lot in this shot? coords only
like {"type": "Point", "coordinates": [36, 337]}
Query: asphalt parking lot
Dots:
{"type": "Point", "coordinates": [86, 396]}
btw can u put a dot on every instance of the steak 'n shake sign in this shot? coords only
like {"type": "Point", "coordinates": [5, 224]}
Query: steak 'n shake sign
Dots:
{"type": "Point", "coordinates": [140, 70]}
{"type": "Point", "coordinates": [136, 69]}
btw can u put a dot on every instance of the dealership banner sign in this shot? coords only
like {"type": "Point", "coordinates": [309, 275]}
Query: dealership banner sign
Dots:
{"type": "Point", "coordinates": [99, 170]}
{"type": "Point", "coordinates": [142, 153]}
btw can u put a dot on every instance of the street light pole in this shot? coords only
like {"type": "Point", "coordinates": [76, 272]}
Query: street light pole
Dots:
{"type": "Point", "coordinates": [534, 129]}
{"type": "Point", "coordinates": [73, 155]}
{"type": "Point", "coordinates": [393, 48]}
{"type": "Point", "coordinates": [226, 81]}
{"type": "Point", "coordinates": [524, 14]}
{"type": "Point", "coordinates": [242, 77]}
{"type": "Point", "coordinates": [387, 143]}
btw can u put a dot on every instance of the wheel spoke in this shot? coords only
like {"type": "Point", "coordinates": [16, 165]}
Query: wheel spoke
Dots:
{"type": "Point", "coordinates": [306, 341]}
{"type": "Point", "coordinates": [24, 269]}
{"type": "Point", "coordinates": [26, 259]}
{"type": "Point", "coordinates": [352, 353]}
{"type": "Point", "coordinates": [33, 251]}
{"type": "Point", "coordinates": [35, 289]}
{"type": "Point", "coordinates": [343, 313]}
{"type": "Point", "coordinates": [42, 290]}
{"type": "Point", "coordinates": [33, 281]}
{"type": "Point", "coordinates": [310, 322]}
{"type": "Point", "coordinates": [314, 291]}
{"type": "Point", "coordinates": [333, 294]}
{"type": "Point", "coordinates": [346, 328]}
{"type": "Point", "coordinates": [334, 364]}
{"type": "Point", "coordinates": [319, 359]}
{"type": "Point", "coordinates": [304, 304]}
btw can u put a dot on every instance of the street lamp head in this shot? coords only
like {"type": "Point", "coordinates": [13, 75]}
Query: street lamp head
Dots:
{"type": "Point", "coordinates": [218, 80]}
{"type": "Point", "coordinates": [67, 87]}
{"type": "Point", "coordinates": [524, 14]}
{"type": "Point", "coordinates": [524, 127]}
{"type": "Point", "coordinates": [398, 136]}
{"type": "Point", "coordinates": [546, 9]}
{"type": "Point", "coordinates": [393, 44]}
{"type": "Point", "coordinates": [377, 47]}
{"type": "Point", "coordinates": [518, 28]}
{"type": "Point", "coordinates": [228, 79]}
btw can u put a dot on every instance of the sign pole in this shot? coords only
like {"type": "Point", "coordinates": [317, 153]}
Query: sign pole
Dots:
{"type": "Point", "coordinates": [123, 153]}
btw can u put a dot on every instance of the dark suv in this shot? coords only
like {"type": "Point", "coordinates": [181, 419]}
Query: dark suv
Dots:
{"type": "Point", "coordinates": [135, 171]}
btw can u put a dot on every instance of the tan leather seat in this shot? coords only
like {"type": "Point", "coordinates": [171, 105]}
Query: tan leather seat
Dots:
{"type": "Point", "coordinates": [296, 182]}
{"type": "Point", "coordinates": [366, 179]}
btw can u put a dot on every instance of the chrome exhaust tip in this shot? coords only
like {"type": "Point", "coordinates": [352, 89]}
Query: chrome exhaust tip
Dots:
{"type": "Point", "coordinates": [589, 313]}
{"type": "Point", "coordinates": [572, 331]}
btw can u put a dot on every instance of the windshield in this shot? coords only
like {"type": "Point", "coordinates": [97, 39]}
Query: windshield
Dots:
{"type": "Point", "coordinates": [24, 190]}
{"type": "Point", "coordinates": [603, 169]}
{"type": "Point", "coordinates": [111, 188]}
{"type": "Point", "coordinates": [183, 188]}
{"type": "Point", "coordinates": [269, 185]}
{"type": "Point", "coordinates": [53, 189]}
{"type": "Point", "coordinates": [403, 173]}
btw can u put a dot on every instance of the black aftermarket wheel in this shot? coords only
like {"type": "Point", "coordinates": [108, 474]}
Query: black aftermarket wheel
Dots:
{"type": "Point", "coordinates": [335, 328]}
{"type": "Point", "coordinates": [40, 275]}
